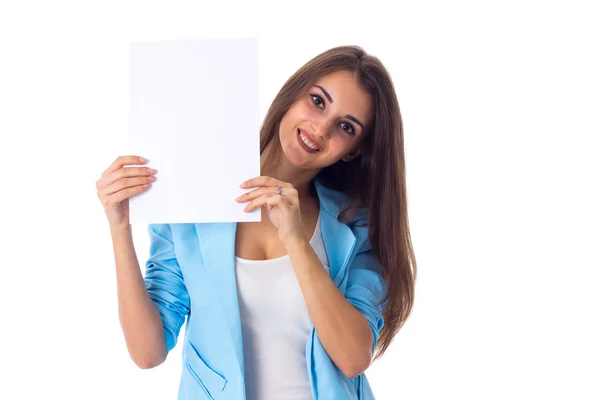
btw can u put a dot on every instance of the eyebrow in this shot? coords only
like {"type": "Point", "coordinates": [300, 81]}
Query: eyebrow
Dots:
{"type": "Point", "coordinates": [350, 117]}
{"type": "Point", "coordinates": [326, 94]}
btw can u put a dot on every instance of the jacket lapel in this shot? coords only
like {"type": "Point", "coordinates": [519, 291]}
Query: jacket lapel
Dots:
{"type": "Point", "coordinates": [338, 238]}
{"type": "Point", "coordinates": [339, 241]}
{"type": "Point", "coordinates": [217, 245]}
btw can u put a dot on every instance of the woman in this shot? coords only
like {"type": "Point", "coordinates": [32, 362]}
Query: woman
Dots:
{"type": "Point", "coordinates": [295, 306]}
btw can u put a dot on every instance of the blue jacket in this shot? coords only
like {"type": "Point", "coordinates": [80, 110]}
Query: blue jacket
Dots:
{"type": "Point", "coordinates": [191, 272]}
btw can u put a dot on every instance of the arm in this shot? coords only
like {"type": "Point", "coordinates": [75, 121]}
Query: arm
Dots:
{"type": "Point", "coordinates": [144, 311]}
{"type": "Point", "coordinates": [348, 326]}
{"type": "Point", "coordinates": [139, 317]}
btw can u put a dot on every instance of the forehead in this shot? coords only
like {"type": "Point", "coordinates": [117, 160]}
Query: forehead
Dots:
{"type": "Point", "coordinates": [348, 97]}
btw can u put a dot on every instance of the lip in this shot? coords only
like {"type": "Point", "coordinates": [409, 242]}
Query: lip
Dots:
{"type": "Point", "coordinates": [311, 138]}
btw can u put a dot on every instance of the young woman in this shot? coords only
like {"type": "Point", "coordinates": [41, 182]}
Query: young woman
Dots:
{"type": "Point", "coordinates": [294, 306]}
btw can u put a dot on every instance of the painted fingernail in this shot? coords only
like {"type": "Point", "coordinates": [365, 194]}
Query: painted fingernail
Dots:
{"type": "Point", "coordinates": [243, 184]}
{"type": "Point", "coordinates": [238, 199]}
{"type": "Point", "coordinates": [142, 159]}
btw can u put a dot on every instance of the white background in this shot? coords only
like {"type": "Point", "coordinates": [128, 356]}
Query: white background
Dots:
{"type": "Point", "coordinates": [500, 102]}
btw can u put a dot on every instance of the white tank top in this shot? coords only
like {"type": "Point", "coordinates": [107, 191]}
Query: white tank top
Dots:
{"type": "Point", "coordinates": [275, 326]}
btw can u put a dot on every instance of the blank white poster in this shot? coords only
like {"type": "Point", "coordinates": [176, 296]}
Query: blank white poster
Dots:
{"type": "Point", "coordinates": [194, 115]}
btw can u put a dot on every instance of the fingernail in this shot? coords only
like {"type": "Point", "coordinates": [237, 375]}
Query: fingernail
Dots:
{"type": "Point", "coordinates": [142, 159]}
{"type": "Point", "coordinates": [243, 184]}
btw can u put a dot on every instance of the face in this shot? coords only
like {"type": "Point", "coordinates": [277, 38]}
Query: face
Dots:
{"type": "Point", "coordinates": [327, 123]}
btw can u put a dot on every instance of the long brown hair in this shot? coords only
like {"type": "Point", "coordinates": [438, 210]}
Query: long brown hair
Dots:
{"type": "Point", "coordinates": [375, 179]}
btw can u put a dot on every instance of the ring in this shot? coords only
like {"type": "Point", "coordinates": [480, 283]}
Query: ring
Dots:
{"type": "Point", "coordinates": [279, 190]}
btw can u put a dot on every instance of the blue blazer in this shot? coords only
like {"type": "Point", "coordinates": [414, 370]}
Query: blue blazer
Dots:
{"type": "Point", "coordinates": [191, 273]}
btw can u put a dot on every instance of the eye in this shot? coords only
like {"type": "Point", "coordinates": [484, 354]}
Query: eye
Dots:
{"type": "Point", "coordinates": [346, 127]}
{"type": "Point", "coordinates": [318, 101]}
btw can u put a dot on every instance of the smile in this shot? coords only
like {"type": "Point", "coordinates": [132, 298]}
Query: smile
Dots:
{"type": "Point", "coordinates": [309, 145]}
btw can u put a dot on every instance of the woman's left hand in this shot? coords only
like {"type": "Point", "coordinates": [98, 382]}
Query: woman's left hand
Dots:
{"type": "Point", "coordinates": [283, 205]}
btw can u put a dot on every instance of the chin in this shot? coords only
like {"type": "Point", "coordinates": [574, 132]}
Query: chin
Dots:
{"type": "Point", "coordinates": [295, 157]}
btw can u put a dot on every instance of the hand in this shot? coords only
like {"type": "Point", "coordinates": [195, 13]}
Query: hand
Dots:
{"type": "Point", "coordinates": [118, 184]}
{"type": "Point", "coordinates": [283, 209]}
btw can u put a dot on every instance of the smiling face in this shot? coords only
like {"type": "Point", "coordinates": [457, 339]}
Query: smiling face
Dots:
{"type": "Point", "coordinates": [326, 123]}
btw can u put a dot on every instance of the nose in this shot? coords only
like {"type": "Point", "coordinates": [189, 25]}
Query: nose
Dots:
{"type": "Point", "coordinates": [322, 127]}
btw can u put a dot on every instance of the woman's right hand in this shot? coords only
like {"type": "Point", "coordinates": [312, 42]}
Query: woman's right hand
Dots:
{"type": "Point", "coordinates": [117, 184]}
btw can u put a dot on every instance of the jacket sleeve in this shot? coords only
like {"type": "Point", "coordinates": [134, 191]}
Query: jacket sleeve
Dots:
{"type": "Point", "coordinates": [366, 288]}
{"type": "Point", "coordinates": [164, 282]}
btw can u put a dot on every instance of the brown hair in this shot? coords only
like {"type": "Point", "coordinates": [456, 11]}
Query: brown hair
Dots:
{"type": "Point", "coordinates": [375, 179]}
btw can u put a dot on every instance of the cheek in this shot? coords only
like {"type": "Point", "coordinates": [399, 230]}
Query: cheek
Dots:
{"type": "Point", "coordinates": [290, 121]}
{"type": "Point", "coordinates": [337, 145]}
{"type": "Point", "coordinates": [298, 113]}
{"type": "Point", "coordinates": [286, 128]}
{"type": "Point", "coordinates": [285, 123]}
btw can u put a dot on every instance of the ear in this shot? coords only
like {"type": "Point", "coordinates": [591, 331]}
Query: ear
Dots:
{"type": "Point", "coordinates": [352, 155]}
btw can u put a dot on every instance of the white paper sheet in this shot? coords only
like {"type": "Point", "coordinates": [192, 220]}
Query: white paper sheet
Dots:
{"type": "Point", "coordinates": [195, 116]}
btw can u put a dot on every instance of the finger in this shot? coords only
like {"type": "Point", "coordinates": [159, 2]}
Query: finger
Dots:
{"type": "Point", "coordinates": [126, 183]}
{"type": "Point", "coordinates": [257, 192]}
{"type": "Point", "coordinates": [291, 195]}
{"type": "Point", "coordinates": [265, 181]}
{"type": "Point", "coordinates": [122, 195]}
{"type": "Point", "coordinates": [279, 201]}
{"type": "Point", "coordinates": [293, 200]}
{"type": "Point", "coordinates": [122, 173]}
{"type": "Point", "coordinates": [257, 203]}
{"type": "Point", "coordinates": [121, 161]}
